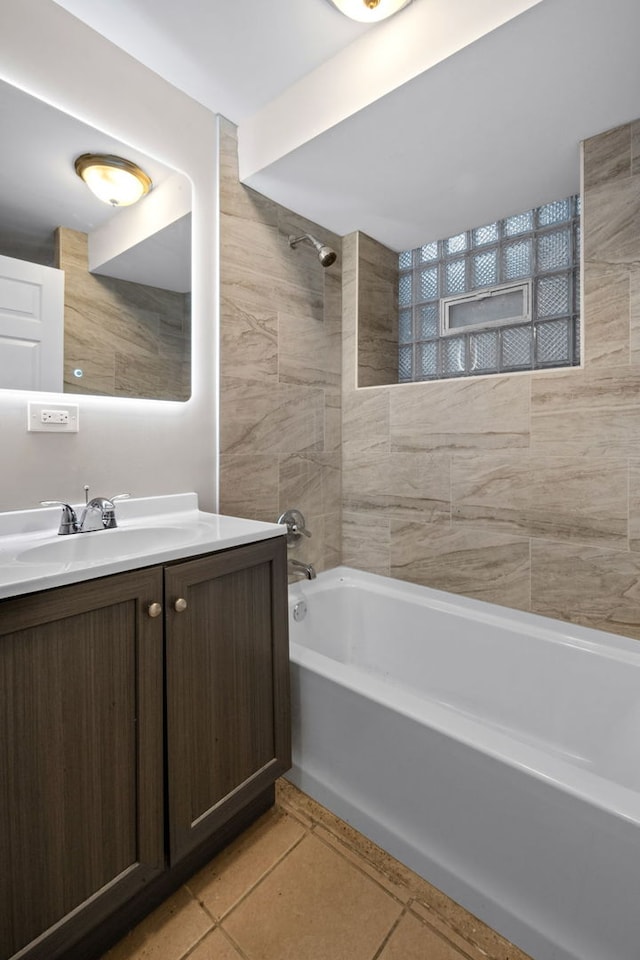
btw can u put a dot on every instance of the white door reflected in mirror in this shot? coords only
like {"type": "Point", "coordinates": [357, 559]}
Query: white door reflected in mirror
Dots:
{"type": "Point", "coordinates": [31, 325]}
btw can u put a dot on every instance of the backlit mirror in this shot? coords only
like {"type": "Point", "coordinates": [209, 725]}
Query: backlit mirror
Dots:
{"type": "Point", "coordinates": [94, 299]}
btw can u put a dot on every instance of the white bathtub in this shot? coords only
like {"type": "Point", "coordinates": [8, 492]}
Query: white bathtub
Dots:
{"type": "Point", "coordinates": [494, 752]}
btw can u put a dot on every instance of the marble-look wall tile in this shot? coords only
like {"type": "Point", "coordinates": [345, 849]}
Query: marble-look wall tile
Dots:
{"type": "Point", "coordinates": [248, 341]}
{"type": "Point", "coordinates": [483, 564]}
{"type": "Point", "coordinates": [270, 419]}
{"type": "Point", "coordinates": [377, 321]}
{"type": "Point", "coordinates": [555, 498]}
{"type": "Point", "coordinates": [253, 245]}
{"type": "Point", "coordinates": [249, 486]}
{"type": "Point", "coordinates": [366, 541]}
{"type": "Point", "coordinates": [293, 299]}
{"type": "Point", "coordinates": [309, 351]}
{"type": "Point", "coordinates": [333, 538]}
{"type": "Point", "coordinates": [332, 422]}
{"type": "Point", "coordinates": [243, 203]}
{"type": "Point", "coordinates": [606, 315]}
{"type": "Point", "coordinates": [310, 482]}
{"type": "Point", "coordinates": [366, 415]}
{"type": "Point", "coordinates": [454, 415]}
{"type": "Point", "coordinates": [350, 273]}
{"type": "Point", "coordinates": [366, 474]}
{"type": "Point", "coordinates": [252, 288]}
{"type": "Point", "coordinates": [588, 585]}
{"type": "Point", "coordinates": [634, 315]}
{"type": "Point", "coordinates": [333, 299]}
{"type": "Point", "coordinates": [610, 221]}
{"type": "Point", "coordinates": [586, 414]}
{"type": "Point", "coordinates": [412, 486]}
{"type": "Point", "coordinates": [280, 392]}
{"type": "Point", "coordinates": [607, 157]}
{"type": "Point", "coordinates": [634, 505]}
{"type": "Point", "coordinates": [635, 147]}
{"type": "Point", "coordinates": [543, 465]}
{"type": "Point", "coordinates": [420, 488]}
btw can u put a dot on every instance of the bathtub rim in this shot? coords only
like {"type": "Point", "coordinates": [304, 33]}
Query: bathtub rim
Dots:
{"type": "Point", "coordinates": [581, 783]}
{"type": "Point", "coordinates": [614, 646]}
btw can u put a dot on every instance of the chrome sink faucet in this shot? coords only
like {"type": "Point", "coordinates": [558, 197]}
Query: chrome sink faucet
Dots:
{"type": "Point", "coordinates": [97, 514]}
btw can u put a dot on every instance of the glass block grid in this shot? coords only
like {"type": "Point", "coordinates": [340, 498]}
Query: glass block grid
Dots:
{"type": "Point", "coordinates": [542, 244]}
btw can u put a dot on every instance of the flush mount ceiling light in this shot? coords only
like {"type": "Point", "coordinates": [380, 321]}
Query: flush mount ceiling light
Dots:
{"type": "Point", "coordinates": [368, 11]}
{"type": "Point", "coordinates": [114, 180]}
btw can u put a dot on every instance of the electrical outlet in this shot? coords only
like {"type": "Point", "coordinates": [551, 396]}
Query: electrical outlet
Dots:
{"type": "Point", "coordinates": [53, 417]}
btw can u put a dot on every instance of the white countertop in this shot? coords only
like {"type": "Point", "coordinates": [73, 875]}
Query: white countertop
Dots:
{"type": "Point", "coordinates": [151, 530]}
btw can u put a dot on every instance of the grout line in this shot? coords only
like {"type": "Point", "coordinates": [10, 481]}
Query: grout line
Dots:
{"type": "Point", "coordinates": [415, 897]}
{"type": "Point", "coordinates": [263, 877]}
{"type": "Point", "coordinates": [357, 866]}
{"type": "Point", "coordinates": [386, 939]}
{"type": "Point", "coordinates": [195, 946]}
{"type": "Point", "coordinates": [236, 946]}
{"type": "Point", "coordinates": [443, 936]}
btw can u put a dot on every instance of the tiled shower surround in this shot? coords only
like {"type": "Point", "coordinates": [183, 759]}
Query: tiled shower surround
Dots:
{"type": "Point", "coordinates": [280, 320]}
{"type": "Point", "coordinates": [522, 489]}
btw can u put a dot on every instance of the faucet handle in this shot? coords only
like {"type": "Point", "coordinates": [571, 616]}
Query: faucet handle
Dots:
{"type": "Point", "coordinates": [68, 521]}
{"type": "Point", "coordinates": [296, 525]}
{"type": "Point", "coordinates": [109, 510]}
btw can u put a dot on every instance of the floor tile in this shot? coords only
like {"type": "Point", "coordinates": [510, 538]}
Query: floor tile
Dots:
{"type": "Point", "coordinates": [167, 933]}
{"type": "Point", "coordinates": [397, 890]}
{"type": "Point", "coordinates": [238, 868]}
{"type": "Point", "coordinates": [314, 905]}
{"type": "Point", "coordinates": [413, 940]}
{"type": "Point", "coordinates": [472, 937]}
{"type": "Point", "coordinates": [215, 946]}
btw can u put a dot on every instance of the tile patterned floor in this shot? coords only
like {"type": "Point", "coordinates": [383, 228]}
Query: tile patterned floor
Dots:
{"type": "Point", "coordinates": [301, 884]}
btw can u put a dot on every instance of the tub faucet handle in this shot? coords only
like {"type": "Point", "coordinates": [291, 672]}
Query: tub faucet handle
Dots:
{"type": "Point", "coordinates": [296, 525]}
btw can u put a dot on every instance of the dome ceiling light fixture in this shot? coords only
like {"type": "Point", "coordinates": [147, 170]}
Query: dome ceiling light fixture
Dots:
{"type": "Point", "coordinates": [369, 11]}
{"type": "Point", "coordinates": [113, 180]}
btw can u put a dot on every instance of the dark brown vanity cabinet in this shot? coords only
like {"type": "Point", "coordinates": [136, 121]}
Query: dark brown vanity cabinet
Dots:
{"type": "Point", "coordinates": [228, 722]}
{"type": "Point", "coordinates": [129, 743]}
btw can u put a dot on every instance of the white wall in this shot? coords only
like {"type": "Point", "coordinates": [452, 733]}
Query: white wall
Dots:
{"type": "Point", "coordinates": [142, 447]}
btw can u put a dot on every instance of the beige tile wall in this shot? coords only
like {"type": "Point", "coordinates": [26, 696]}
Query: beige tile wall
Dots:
{"type": "Point", "coordinates": [130, 340]}
{"type": "Point", "coordinates": [521, 490]}
{"type": "Point", "coordinates": [378, 317]}
{"type": "Point", "coordinates": [280, 396]}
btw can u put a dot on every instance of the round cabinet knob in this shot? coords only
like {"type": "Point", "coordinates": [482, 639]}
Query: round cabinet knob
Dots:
{"type": "Point", "coordinates": [180, 605]}
{"type": "Point", "coordinates": [154, 609]}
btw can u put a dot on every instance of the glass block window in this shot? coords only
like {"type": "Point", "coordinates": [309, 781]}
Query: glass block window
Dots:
{"type": "Point", "coordinates": [537, 250]}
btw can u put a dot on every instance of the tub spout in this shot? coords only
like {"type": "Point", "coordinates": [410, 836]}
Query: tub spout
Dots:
{"type": "Point", "coordinates": [306, 569]}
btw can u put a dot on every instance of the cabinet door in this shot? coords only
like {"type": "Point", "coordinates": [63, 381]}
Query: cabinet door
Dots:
{"type": "Point", "coordinates": [228, 721]}
{"type": "Point", "coordinates": [80, 758]}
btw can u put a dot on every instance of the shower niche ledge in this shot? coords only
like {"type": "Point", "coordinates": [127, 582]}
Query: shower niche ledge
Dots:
{"type": "Point", "coordinates": [146, 721]}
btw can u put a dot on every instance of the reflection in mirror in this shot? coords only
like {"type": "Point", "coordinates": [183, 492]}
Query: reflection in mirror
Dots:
{"type": "Point", "coordinates": [94, 299]}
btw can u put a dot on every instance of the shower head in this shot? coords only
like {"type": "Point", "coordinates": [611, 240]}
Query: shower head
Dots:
{"type": "Point", "coordinates": [326, 254]}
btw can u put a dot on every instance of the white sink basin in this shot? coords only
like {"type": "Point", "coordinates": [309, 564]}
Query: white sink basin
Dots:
{"type": "Point", "coordinates": [151, 531]}
{"type": "Point", "coordinates": [106, 545]}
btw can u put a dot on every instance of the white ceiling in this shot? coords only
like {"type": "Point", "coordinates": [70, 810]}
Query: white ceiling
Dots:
{"type": "Point", "coordinates": [488, 131]}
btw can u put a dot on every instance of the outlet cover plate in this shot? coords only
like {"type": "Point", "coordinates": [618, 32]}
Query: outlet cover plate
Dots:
{"type": "Point", "coordinates": [53, 417]}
